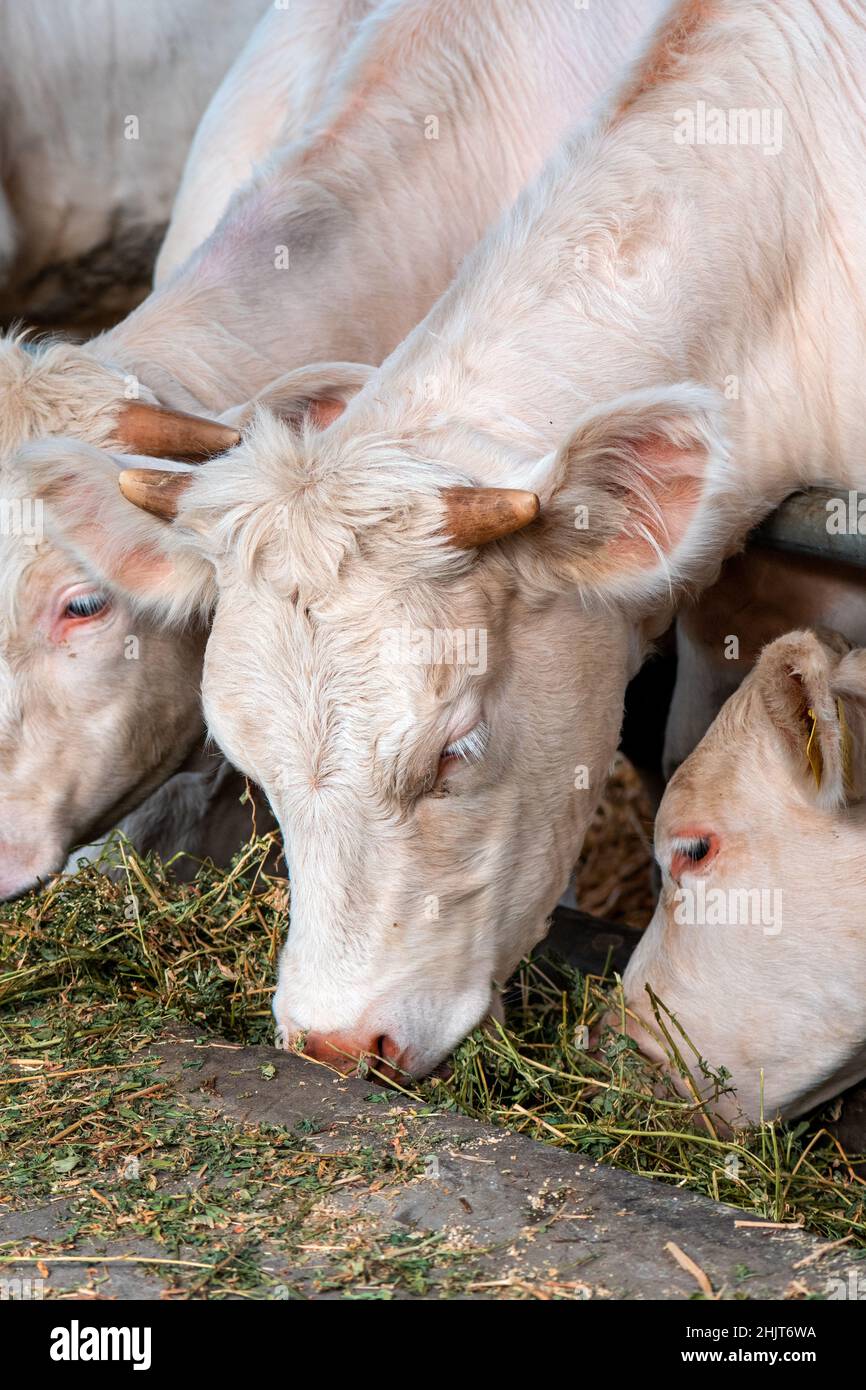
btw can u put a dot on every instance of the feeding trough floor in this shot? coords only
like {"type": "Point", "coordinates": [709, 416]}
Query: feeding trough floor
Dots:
{"type": "Point", "coordinates": [391, 1199]}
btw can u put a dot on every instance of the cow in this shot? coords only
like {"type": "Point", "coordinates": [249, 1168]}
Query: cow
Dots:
{"type": "Point", "coordinates": [202, 806]}
{"type": "Point", "coordinates": [759, 595]}
{"type": "Point", "coordinates": [425, 614]}
{"type": "Point", "coordinates": [270, 93]}
{"type": "Point", "coordinates": [756, 949]}
{"type": "Point", "coordinates": [435, 118]}
{"type": "Point", "coordinates": [98, 104]}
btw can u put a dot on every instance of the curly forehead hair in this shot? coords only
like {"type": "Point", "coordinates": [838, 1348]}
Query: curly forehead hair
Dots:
{"type": "Point", "coordinates": [52, 387]}
{"type": "Point", "coordinates": [314, 504]}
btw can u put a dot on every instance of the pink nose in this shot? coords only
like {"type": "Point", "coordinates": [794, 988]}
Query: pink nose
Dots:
{"type": "Point", "coordinates": [345, 1051]}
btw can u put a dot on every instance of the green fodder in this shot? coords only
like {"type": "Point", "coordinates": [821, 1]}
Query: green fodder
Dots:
{"type": "Point", "coordinates": [95, 969]}
{"type": "Point", "coordinates": [202, 953]}
{"type": "Point", "coordinates": [536, 1076]}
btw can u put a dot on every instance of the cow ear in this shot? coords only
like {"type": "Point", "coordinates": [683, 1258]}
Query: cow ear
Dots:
{"type": "Point", "coordinates": [163, 568]}
{"type": "Point", "coordinates": [815, 694]}
{"type": "Point", "coordinates": [625, 500]}
{"type": "Point", "coordinates": [314, 395]}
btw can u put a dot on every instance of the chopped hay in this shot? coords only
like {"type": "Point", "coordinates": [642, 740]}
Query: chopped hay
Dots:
{"type": "Point", "coordinates": [95, 970]}
{"type": "Point", "coordinates": [615, 874]}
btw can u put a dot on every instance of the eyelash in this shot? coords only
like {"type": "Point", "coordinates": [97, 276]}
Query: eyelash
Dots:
{"type": "Point", "coordinates": [86, 605]}
{"type": "Point", "coordinates": [692, 853]}
{"type": "Point", "coordinates": [470, 747]}
{"type": "Point", "coordinates": [695, 850]}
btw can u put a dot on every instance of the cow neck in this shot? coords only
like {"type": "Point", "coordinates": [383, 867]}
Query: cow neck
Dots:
{"type": "Point", "coordinates": [194, 381]}
{"type": "Point", "coordinates": [349, 255]}
{"type": "Point", "coordinates": [628, 266]}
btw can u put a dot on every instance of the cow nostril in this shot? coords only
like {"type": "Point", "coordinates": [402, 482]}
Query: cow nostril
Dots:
{"type": "Point", "coordinates": [388, 1049]}
{"type": "Point", "coordinates": [345, 1052]}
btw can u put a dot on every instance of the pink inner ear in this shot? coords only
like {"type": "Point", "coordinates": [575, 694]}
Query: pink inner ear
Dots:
{"type": "Point", "coordinates": [323, 412]}
{"type": "Point", "coordinates": [319, 413]}
{"type": "Point", "coordinates": [663, 503]}
{"type": "Point", "coordinates": [658, 452]}
{"type": "Point", "coordinates": [144, 570]}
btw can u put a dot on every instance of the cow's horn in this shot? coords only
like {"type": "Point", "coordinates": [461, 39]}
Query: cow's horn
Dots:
{"type": "Point", "coordinates": [154, 490]}
{"type": "Point", "coordinates": [157, 432]}
{"type": "Point", "coordinates": [477, 515]}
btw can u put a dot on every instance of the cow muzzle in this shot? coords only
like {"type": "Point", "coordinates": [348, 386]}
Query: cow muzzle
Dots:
{"type": "Point", "coordinates": [347, 1053]}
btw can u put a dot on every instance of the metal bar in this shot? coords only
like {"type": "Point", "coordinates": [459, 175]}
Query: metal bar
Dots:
{"type": "Point", "coordinates": [823, 523]}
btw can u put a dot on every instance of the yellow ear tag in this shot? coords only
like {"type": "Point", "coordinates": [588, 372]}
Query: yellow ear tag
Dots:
{"type": "Point", "coordinates": [814, 756]}
{"type": "Point", "coordinates": [847, 750]}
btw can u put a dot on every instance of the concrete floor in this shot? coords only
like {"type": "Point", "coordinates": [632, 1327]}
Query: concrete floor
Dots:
{"type": "Point", "coordinates": [527, 1219]}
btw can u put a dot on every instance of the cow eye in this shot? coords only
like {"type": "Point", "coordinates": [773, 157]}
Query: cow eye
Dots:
{"type": "Point", "coordinates": [692, 851]}
{"type": "Point", "coordinates": [468, 748]}
{"type": "Point", "coordinates": [697, 850]}
{"type": "Point", "coordinates": [84, 606]}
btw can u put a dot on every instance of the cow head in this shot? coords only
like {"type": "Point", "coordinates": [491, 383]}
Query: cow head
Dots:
{"type": "Point", "coordinates": [427, 681]}
{"type": "Point", "coordinates": [757, 946]}
{"type": "Point", "coordinates": [98, 703]}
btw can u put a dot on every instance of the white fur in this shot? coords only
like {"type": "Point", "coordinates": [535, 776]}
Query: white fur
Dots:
{"type": "Point", "coordinates": [271, 92]}
{"type": "Point", "coordinates": [601, 379]}
{"type": "Point", "coordinates": [503, 79]}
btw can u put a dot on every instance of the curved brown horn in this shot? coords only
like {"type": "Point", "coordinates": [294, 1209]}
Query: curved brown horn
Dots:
{"type": "Point", "coordinates": [154, 490]}
{"type": "Point", "coordinates": [160, 433]}
{"type": "Point", "coordinates": [477, 515]}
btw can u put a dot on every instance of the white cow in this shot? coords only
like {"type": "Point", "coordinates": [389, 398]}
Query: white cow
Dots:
{"type": "Point", "coordinates": [98, 104]}
{"type": "Point", "coordinates": [143, 769]}
{"type": "Point", "coordinates": [436, 117]}
{"type": "Point", "coordinates": [757, 945]}
{"type": "Point", "coordinates": [659, 342]}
